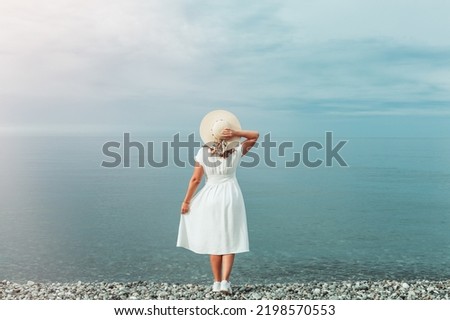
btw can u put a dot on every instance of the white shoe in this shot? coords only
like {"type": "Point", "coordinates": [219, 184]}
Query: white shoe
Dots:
{"type": "Point", "coordinates": [225, 287]}
{"type": "Point", "coordinates": [216, 286]}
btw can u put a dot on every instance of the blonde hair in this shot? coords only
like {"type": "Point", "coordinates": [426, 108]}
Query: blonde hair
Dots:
{"type": "Point", "coordinates": [219, 148]}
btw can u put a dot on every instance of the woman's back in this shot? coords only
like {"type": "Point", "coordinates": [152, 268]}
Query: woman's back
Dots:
{"type": "Point", "coordinates": [219, 166]}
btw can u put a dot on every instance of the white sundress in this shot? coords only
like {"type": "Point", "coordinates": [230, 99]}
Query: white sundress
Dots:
{"type": "Point", "coordinates": [216, 222]}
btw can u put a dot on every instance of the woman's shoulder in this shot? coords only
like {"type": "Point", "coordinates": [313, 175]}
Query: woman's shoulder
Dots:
{"type": "Point", "coordinates": [200, 153]}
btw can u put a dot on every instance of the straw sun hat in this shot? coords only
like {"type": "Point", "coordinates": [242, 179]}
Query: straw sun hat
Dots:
{"type": "Point", "coordinates": [214, 122]}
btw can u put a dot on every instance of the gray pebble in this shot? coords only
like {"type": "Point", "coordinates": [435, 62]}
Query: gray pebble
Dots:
{"type": "Point", "coordinates": [256, 296]}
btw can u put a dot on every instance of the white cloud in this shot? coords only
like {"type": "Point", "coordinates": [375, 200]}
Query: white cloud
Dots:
{"type": "Point", "coordinates": [89, 44]}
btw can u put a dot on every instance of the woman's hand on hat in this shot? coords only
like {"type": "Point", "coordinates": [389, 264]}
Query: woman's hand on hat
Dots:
{"type": "Point", "coordinates": [228, 133]}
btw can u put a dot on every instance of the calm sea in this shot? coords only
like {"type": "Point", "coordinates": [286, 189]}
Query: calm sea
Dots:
{"type": "Point", "coordinates": [64, 217]}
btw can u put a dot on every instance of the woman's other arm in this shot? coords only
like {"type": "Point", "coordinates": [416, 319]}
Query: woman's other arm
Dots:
{"type": "Point", "coordinates": [193, 184]}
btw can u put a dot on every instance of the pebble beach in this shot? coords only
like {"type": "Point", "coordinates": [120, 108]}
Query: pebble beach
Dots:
{"type": "Point", "coordinates": [142, 290]}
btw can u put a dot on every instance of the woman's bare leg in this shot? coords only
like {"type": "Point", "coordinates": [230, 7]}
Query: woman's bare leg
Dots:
{"type": "Point", "coordinates": [227, 265]}
{"type": "Point", "coordinates": [216, 266]}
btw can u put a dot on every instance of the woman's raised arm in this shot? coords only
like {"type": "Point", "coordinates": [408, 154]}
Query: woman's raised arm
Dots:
{"type": "Point", "coordinates": [251, 137]}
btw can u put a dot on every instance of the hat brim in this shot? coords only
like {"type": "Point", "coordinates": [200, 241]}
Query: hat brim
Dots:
{"type": "Point", "coordinates": [210, 118]}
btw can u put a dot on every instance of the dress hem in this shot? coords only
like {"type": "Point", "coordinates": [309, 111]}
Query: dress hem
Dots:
{"type": "Point", "coordinates": [214, 253]}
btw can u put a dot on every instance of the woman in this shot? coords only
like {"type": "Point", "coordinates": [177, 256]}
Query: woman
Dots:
{"type": "Point", "coordinates": [214, 220]}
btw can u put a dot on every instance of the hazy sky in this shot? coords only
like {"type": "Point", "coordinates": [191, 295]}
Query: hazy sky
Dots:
{"type": "Point", "coordinates": [358, 68]}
